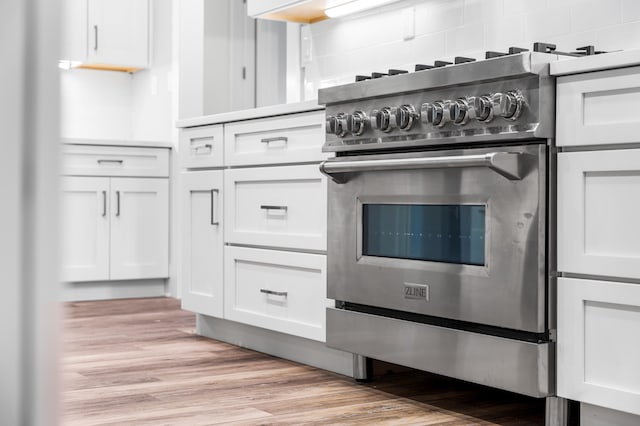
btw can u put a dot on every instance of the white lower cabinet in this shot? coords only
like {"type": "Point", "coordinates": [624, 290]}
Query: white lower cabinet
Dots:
{"type": "Point", "coordinates": [85, 225]}
{"type": "Point", "coordinates": [599, 343]}
{"type": "Point", "coordinates": [139, 228]}
{"type": "Point", "coordinates": [115, 228]}
{"type": "Point", "coordinates": [277, 207]}
{"type": "Point", "coordinates": [278, 290]}
{"type": "Point", "coordinates": [202, 242]}
{"type": "Point", "coordinates": [598, 205]}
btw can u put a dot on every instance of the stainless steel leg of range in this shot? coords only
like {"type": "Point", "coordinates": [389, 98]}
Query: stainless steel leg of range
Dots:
{"type": "Point", "coordinates": [360, 370]}
{"type": "Point", "coordinates": [556, 412]}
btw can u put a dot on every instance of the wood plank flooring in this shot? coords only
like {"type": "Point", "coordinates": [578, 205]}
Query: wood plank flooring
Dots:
{"type": "Point", "coordinates": [138, 362]}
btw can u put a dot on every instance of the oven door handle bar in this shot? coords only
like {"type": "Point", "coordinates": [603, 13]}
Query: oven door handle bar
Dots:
{"type": "Point", "coordinates": [506, 164]}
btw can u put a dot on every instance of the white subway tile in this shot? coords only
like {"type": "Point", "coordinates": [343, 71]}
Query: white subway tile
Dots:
{"type": "Point", "coordinates": [464, 39]}
{"type": "Point", "coordinates": [483, 10]}
{"type": "Point", "coordinates": [543, 25]}
{"type": "Point", "coordinates": [619, 37]}
{"type": "Point", "coordinates": [438, 15]}
{"type": "Point", "coordinates": [631, 11]}
{"type": "Point", "coordinates": [515, 7]}
{"type": "Point", "coordinates": [500, 36]}
{"type": "Point", "coordinates": [591, 15]}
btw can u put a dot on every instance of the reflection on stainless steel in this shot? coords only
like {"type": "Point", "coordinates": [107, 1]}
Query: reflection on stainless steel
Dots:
{"type": "Point", "coordinates": [438, 221]}
{"type": "Point", "coordinates": [513, 278]}
{"type": "Point", "coordinates": [505, 163]}
{"type": "Point", "coordinates": [493, 361]}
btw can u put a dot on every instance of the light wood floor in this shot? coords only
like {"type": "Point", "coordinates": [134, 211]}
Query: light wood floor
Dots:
{"type": "Point", "coordinates": [138, 362]}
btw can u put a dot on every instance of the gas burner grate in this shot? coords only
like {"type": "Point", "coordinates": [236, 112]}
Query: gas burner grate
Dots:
{"type": "Point", "coordinates": [458, 60]}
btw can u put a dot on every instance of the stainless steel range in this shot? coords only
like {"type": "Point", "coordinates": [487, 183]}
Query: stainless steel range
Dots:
{"type": "Point", "coordinates": [440, 225]}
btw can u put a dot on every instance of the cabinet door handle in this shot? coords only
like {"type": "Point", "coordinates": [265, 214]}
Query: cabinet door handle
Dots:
{"type": "Point", "coordinates": [117, 203]}
{"type": "Point", "coordinates": [285, 208]}
{"type": "Point", "coordinates": [104, 203]}
{"type": "Point", "coordinates": [275, 139]}
{"type": "Point", "coordinates": [102, 160]}
{"type": "Point", "coordinates": [274, 293]}
{"type": "Point", "coordinates": [95, 37]}
{"type": "Point", "coordinates": [214, 219]}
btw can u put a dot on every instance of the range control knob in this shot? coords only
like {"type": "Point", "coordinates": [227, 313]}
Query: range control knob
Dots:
{"type": "Point", "coordinates": [437, 113]}
{"type": "Point", "coordinates": [508, 105]}
{"type": "Point", "coordinates": [406, 116]}
{"type": "Point", "coordinates": [384, 119]}
{"type": "Point", "coordinates": [483, 108]}
{"type": "Point", "coordinates": [357, 123]}
{"type": "Point", "coordinates": [461, 111]}
{"type": "Point", "coordinates": [336, 125]}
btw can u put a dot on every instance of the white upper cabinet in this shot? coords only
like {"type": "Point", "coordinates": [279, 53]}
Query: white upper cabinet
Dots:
{"type": "Point", "coordinates": [303, 11]}
{"type": "Point", "coordinates": [106, 34]}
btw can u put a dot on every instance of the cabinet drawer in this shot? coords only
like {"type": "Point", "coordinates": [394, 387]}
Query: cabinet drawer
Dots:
{"type": "Point", "coordinates": [277, 290]}
{"type": "Point", "coordinates": [276, 206]}
{"type": "Point", "coordinates": [599, 108]}
{"type": "Point", "coordinates": [202, 147]}
{"type": "Point", "coordinates": [598, 204]}
{"type": "Point", "coordinates": [98, 160]}
{"type": "Point", "coordinates": [599, 343]}
{"type": "Point", "coordinates": [293, 138]}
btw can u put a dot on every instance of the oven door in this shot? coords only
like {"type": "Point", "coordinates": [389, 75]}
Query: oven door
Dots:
{"type": "Point", "coordinates": [457, 234]}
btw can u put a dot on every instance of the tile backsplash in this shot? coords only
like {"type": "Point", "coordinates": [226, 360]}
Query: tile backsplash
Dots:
{"type": "Point", "coordinates": [382, 39]}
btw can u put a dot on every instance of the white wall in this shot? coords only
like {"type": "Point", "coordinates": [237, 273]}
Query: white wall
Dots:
{"type": "Point", "coordinates": [374, 41]}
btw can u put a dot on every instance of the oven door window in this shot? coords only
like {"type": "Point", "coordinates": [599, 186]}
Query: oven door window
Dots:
{"type": "Point", "coordinates": [436, 233]}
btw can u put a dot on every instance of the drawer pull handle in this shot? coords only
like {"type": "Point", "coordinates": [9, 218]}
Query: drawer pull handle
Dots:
{"type": "Point", "coordinates": [274, 293]}
{"type": "Point", "coordinates": [284, 208]}
{"type": "Point", "coordinates": [275, 139]}
{"type": "Point", "coordinates": [117, 203]}
{"type": "Point", "coordinates": [110, 161]}
{"type": "Point", "coordinates": [214, 219]}
{"type": "Point", "coordinates": [203, 146]}
{"type": "Point", "coordinates": [104, 203]}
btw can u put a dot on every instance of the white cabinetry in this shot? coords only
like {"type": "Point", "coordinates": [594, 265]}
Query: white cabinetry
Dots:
{"type": "Point", "coordinates": [85, 225]}
{"type": "Point", "coordinates": [599, 108]}
{"type": "Point", "coordinates": [111, 34]}
{"type": "Point", "coordinates": [274, 223]}
{"type": "Point", "coordinates": [303, 11]}
{"type": "Point", "coordinates": [277, 206]}
{"type": "Point", "coordinates": [599, 327]}
{"type": "Point", "coordinates": [277, 290]}
{"type": "Point", "coordinates": [202, 242]}
{"type": "Point", "coordinates": [598, 233]}
{"type": "Point", "coordinates": [114, 227]}
{"type": "Point", "coordinates": [598, 202]}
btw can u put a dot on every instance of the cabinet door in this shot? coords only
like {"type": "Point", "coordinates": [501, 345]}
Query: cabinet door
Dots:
{"type": "Point", "coordinates": [599, 343]}
{"type": "Point", "coordinates": [202, 242]}
{"type": "Point", "coordinates": [85, 228]}
{"type": "Point", "coordinates": [118, 32]}
{"type": "Point", "coordinates": [139, 228]}
{"type": "Point", "coordinates": [598, 204]}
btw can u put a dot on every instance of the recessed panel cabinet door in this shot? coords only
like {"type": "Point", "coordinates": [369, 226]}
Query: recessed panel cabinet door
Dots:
{"type": "Point", "coordinates": [118, 32]}
{"type": "Point", "coordinates": [85, 228]}
{"type": "Point", "coordinates": [139, 228]}
{"type": "Point", "coordinates": [202, 242]}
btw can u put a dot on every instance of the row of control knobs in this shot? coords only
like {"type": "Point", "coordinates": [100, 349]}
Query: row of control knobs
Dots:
{"type": "Point", "coordinates": [484, 108]}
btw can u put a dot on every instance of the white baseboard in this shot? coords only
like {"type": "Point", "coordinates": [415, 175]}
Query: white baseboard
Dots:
{"type": "Point", "coordinates": [298, 349]}
{"type": "Point", "coordinates": [106, 290]}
